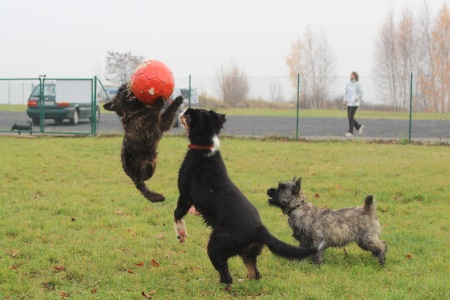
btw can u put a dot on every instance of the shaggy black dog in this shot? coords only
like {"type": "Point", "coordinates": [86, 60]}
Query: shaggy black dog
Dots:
{"type": "Point", "coordinates": [144, 127]}
{"type": "Point", "coordinates": [28, 127]}
{"type": "Point", "coordinates": [203, 182]}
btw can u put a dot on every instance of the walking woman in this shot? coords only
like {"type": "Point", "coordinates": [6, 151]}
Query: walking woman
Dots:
{"type": "Point", "coordinates": [352, 98]}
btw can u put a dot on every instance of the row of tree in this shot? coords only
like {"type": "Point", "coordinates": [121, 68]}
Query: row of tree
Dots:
{"type": "Point", "coordinates": [412, 45]}
{"type": "Point", "coordinates": [418, 45]}
{"type": "Point", "coordinates": [311, 58]}
{"type": "Point", "coordinates": [233, 81]}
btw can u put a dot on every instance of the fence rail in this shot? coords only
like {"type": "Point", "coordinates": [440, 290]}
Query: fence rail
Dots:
{"type": "Point", "coordinates": [268, 107]}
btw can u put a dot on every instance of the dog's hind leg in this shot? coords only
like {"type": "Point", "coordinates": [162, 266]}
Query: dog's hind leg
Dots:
{"type": "Point", "coordinates": [377, 247]}
{"type": "Point", "coordinates": [220, 249]}
{"type": "Point", "coordinates": [249, 257]}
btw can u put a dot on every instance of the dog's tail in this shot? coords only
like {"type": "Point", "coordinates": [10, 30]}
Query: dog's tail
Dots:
{"type": "Point", "coordinates": [282, 249]}
{"type": "Point", "coordinates": [369, 206]}
{"type": "Point", "coordinates": [149, 195]}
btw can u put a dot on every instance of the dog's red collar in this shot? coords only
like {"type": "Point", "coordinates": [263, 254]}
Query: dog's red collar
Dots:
{"type": "Point", "coordinates": [200, 147]}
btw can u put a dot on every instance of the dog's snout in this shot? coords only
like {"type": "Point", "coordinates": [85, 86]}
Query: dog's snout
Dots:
{"type": "Point", "coordinates": [271, 192]}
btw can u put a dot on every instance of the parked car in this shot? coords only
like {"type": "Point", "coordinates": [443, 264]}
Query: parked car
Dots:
{"type": "Point", "coordinates": [72, 110]}
{"type": "Point", "coordinates": [194, 95]}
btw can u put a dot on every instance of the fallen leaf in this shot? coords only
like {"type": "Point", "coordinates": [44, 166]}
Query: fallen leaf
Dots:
{"type": "Point", "coordinates": [93, 291]}
{"type": "Point", "coordinates": [316, 196]}
{"type": "Point", "coordinates": [64, 294]}
{"type": "Point", "coordinates": [59, 268]}
{"type": "Point", "coordinates": [408, 256]}
{"type": "Point", "coordinates": [148, 295]}
{"type": "Point", "coordinates": [154, 263]}
{"type": "Point", "coordinates": [122, 249]}
{"type": "Point", "coordinates": [121, 213]}
{"type": "Point", "coordinates": [130, 271]}
{"type": "Point", "coordinates": [14, 253]}
{"type": "Point", "coordinates": [141, 264]}
{"type": "Point", "coordinates": [72, 219]}
{"type": "Point", "coordinates": [13, 267]}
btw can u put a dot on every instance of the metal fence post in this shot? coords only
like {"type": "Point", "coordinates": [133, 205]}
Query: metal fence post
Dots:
{"type": "Point", "coordinates": [298, 105]}
{"type": "Point", "coordinates": [41, 103]}
{"type": "Point", "coordinates": [410, 107]}
{"type": "Point", "coordinates": [94, 107]}
{"type": "Point", "coordinates": [189, 91]}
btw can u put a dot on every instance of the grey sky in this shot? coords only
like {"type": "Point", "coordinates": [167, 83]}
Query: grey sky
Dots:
{"type": "Point", "coordinates": [71, 38]}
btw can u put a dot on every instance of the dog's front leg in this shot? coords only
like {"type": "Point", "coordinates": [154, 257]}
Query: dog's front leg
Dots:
{"type": "Point", "coordinates": [180, 226]}
{"type": "Point", "coordinates": [168, 117]}
{"type": "Point", "coordinates": [153, 111]}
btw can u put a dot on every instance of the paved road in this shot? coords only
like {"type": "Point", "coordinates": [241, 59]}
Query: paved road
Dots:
{"type": "Point", "coordinates": [266, 126]}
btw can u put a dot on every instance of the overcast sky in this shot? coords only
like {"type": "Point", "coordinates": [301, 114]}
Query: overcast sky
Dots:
{"type": "Point", "coordinates": [71, 38]}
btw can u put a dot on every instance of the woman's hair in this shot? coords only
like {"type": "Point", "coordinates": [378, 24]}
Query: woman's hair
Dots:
{"type": "Point", "coordinates": [356, 75]}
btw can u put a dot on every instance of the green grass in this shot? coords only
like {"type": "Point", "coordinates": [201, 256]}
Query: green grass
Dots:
{"type": "Point", "coordinates": [329, 113]}
{"type": "Point", "coordinates": [13, 107]}
{"type": "Point", "coordinates": [72, 222]}
{"type": "Point", "coordinates": [308, 113]}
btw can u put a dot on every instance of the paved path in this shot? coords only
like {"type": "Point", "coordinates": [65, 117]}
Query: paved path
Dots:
{"type": "Point", "coordinates": [267, 126]}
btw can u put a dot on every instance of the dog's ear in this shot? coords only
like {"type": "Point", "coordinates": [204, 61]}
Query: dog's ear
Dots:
{"type": "Point", "coordinates": [110, 106]}
{"type": "Point", "coordinates": [218, 120]}
{"type": "Point", "coordinates": [297, 186]}
{"type": "Point", "coordinates": [223, 118]}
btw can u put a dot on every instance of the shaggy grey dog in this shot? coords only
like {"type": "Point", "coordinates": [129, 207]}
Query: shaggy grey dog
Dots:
{"type": "Point", "coordinates": [335, 227]}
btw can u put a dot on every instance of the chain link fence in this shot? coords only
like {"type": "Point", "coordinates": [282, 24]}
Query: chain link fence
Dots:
{"type": "Point", "coordinates": [49, 105]}
{"type": "Point", "coordinates": [255, 107]}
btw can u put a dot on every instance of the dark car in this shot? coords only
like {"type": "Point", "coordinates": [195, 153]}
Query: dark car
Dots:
{"type": "Point", "coordinates": [58, 111]}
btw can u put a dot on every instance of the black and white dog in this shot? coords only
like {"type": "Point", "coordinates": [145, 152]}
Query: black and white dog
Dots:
{"type": "Point", "coordinates": [20, 128]}
{"type": "Point", "coordinates": [203, 182]}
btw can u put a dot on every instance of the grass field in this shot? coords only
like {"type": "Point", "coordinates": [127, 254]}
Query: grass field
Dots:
{"type": "Point", "coordinates": [73, 226]}
{"type": "Point", "coordinates": [310, 113]}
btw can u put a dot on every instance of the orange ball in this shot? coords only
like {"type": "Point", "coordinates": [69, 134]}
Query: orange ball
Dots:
{"type": "Point", "coordinates": [151, 80]}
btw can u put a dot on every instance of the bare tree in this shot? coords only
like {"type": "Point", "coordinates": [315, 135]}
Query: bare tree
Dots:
{"type": "Point", "coordinates": [421, 47]}
{"type": "Point", "coordinates": [311, 58]}
{"type": "Point", "coordinates": [405, 42]}
{"type": "Point", "coordinates": [275, 92]}
{"type": "Point", "coordinates": [120, 66]}
{"type": "Point", "coordinates": [386, 60]}
{"type": "Point", "coordinates": [441, 61]}
{"type": "Point", "coordinates": [233, 84]}
{"type": "Point", "coordinates": [423, 59]}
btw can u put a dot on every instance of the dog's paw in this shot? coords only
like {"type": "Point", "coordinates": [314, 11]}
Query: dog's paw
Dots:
{"type": "Point", "coordinates": [178, 101]}
{"type": "Point", "coordinates": [180, 230]}
{"type": "Point", "coordinates": [159, 103]}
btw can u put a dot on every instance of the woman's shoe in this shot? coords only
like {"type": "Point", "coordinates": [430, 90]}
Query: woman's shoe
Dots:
{"type": "Point", "coordinates": [361, 129]}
